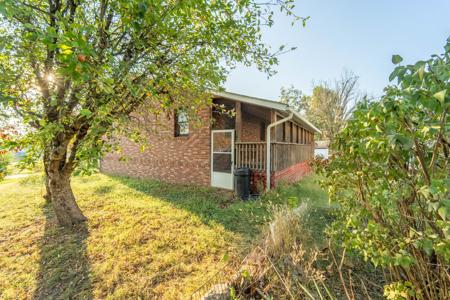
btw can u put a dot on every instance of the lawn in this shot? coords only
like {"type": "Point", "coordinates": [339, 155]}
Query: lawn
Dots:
{"type": "Point", "coordinates": [143, 239]}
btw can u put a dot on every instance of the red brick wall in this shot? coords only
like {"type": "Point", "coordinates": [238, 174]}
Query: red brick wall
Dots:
{"type": "Point", "coordinates": [289, 175]}
{"type": "Point", "coordinates": [187, 159]}
{"type": "Point", "coordinates": [184, 159]}
{"type": "Point", "coordinates": [293, 173]}
{"type": "Point", "coordinates": [251, 128]}
{"type": "Point", "coordinates": [252, 120]}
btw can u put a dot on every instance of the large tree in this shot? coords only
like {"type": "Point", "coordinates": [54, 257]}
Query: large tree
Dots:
{"type": "Point", "coordinates": [294, 98]}
{"type": "Point", "coordinates": [330, 104]}
{"type": "Point", "coordinates": [72, 70]}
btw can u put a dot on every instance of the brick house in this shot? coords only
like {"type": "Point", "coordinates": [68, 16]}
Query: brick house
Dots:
{"type": "Point", "coordinates": [208, 154]}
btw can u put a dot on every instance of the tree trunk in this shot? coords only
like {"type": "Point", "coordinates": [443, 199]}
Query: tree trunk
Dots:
{"type": "Point", "coordinates": [63, 201]}
{"type": "Point", "coordinates": [47, 195]}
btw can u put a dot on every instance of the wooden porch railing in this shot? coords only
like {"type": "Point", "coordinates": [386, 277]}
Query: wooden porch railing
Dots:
{"type": "Point", "coordinates": [283, 155]}
{"type": "Point", "coordinates": [250, 155]}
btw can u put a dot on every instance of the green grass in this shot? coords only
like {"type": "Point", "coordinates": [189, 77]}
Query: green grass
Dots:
{"type": "Point", "coordinates": [143, 239]}
{"type": "Point", "coordinates": [14, 166]}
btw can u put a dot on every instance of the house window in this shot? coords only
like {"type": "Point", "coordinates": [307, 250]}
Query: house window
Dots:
{"type": "Point", "coordinates": [181, 123]}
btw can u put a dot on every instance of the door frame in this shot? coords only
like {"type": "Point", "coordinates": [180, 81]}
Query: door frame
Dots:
{"type": "Point", "coordinates": [232, 155]}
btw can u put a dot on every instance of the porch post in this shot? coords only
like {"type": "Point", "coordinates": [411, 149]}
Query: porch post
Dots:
{"type": "Point", "coordinates": [268, 144]}
{"type": "Point", "coordinates": [273, 119]}
{"type": "Point", "coordinates": [238, 121]}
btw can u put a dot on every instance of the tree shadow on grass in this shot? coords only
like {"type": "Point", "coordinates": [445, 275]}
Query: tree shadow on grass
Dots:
{"type": "Point", "coordinates": [64, 265]}
{"type": "Point", "coordinates": [211, 205]}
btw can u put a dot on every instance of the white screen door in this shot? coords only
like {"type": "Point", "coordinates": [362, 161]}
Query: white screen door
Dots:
{"type": "Point", "coordinates": [222, 158]}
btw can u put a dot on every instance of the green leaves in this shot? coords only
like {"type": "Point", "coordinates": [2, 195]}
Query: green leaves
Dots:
{"type": "Point", "coordinates": [84, 67]}
{"type": "Point", "coordinates": [65, 49]}
{"type": "Point", "coordinates": [396, 140]}
{"type": "Point", "coordinates": [444, 211]}
{"type": "Point", "coordinates": [396, 59]}
{"type": "Point", "coordinates": [85, 112]}
{"type": "Point", "coordinates": [421, 72]}
{"type": "Point", "coordinates": [440, 95]}
{"type": "Point", "coordinates": [390, 176]}
{"type": "Point", "coordinates": [403, 259]}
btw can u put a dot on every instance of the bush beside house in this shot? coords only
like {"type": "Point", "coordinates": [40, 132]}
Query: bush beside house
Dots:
{"type": "Point", "coordinates": [390, 176]}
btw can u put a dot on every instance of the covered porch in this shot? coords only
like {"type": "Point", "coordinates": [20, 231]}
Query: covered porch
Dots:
{"type": "Point", "coordinates": [253, 155]}
{"type": "Point", "coordinates": [291, 141]}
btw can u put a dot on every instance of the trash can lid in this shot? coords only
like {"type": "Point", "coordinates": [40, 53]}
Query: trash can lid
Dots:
{"type": "Point", "coordinates": [242, 171]}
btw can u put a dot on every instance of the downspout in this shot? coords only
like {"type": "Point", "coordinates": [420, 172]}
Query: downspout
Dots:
{"type": "Point", "coordinates": [268, 144]}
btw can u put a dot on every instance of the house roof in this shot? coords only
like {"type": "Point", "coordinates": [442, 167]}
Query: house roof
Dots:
{"type": "Point", "coordinates": [280, 107]}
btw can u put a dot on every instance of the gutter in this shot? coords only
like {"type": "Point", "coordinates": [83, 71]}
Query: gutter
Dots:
{"type": "Point", "coordinates": [268, 144]}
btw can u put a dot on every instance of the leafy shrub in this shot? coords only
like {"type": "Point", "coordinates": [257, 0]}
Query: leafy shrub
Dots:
{"type": "Point", "coordinates": [390, 176]}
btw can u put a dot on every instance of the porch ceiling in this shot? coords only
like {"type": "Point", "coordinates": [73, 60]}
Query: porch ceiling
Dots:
{"type": "Point", "coordinates": [280, 107]}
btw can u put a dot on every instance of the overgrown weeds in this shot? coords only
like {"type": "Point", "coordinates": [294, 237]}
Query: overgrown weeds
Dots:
{"type": "Point", "coordinates": [290, 263]}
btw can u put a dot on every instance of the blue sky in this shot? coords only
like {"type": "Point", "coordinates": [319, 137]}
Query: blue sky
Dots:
{"type": "Point", "coordinates": [359, 35]}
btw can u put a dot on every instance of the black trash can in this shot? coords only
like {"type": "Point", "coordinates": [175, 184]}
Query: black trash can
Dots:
{"type": "Point", "coordinates": [242, 183]}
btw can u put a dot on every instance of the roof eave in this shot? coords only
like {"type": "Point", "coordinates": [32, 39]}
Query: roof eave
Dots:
{"type": "Point", "coordinates": [251, 100]}
{"type": "Point", "coordinates": [305, 121]}
{"type": "Point", "coordinates": [268, 104]}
